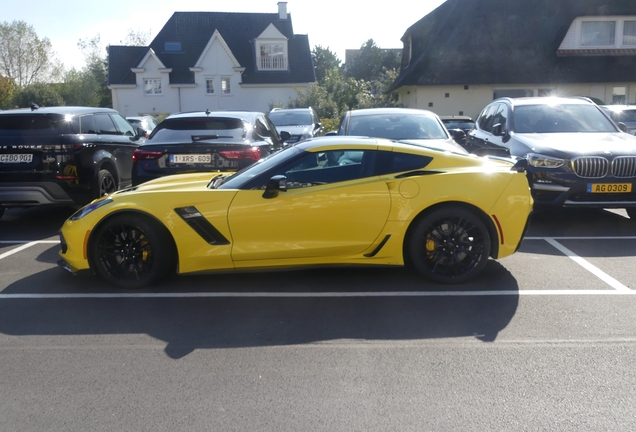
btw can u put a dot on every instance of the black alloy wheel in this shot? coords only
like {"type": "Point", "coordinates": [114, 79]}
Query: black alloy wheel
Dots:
{"type": "Point", "coordinates": [131, 251]}
{"type": "Point", "coordinates": [106, 183]}
{"type": "Point", "coordinates": [451, 245]}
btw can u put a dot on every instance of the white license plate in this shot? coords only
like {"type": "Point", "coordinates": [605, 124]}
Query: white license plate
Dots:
{"type": "Point", "coordinates": [191, 159]}
{"type": "Point", "coordinates": [16, 158]}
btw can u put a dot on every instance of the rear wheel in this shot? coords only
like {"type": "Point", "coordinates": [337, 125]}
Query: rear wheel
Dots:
{"type": "Point", "coordinates": [132, 251]}
{"type": "Point", "coordinates": [105, 183]}
{"type": "Point", "coordinates": [451, 245]}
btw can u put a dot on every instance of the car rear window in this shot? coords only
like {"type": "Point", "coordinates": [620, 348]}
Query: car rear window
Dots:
{"type": "Point", "coordinates": [397, 127]}
{"type": "Point", "coordinates": [287, 118]}
{"type": "Point", "coordinates": [182, 130]}
{"type": "Point", "coordinates": [38, 124]}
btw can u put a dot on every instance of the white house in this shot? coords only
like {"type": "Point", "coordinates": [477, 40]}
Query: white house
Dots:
{"type": "Point", "coordinates": [212, 60]}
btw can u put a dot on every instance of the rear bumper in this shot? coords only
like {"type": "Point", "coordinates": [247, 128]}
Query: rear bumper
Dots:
{"type": "Point", "coordinates": [33, 194]}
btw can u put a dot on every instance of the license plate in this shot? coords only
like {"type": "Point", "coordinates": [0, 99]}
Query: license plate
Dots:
{"type": "Point", "coordinates": [191, 159]}
{"type": "Point", "coordinates": [16, 158]}
{"type": "Point", "coordinates": [609, 187]}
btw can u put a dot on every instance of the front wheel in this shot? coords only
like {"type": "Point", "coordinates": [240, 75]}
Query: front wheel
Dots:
{"type": "Point", "coordinates": [131, 251]}
{"type": "Point", "coordinates": [450, 245]}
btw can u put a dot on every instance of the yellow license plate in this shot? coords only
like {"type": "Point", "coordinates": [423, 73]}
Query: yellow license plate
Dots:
{"type": "Point", "coordinates": [609, 187]}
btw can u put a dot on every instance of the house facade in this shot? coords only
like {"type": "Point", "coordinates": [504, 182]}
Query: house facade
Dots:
{"type": "Point", "coordinates": [466, 53]}
{"type": "Point", "coordinates": [215, 61]}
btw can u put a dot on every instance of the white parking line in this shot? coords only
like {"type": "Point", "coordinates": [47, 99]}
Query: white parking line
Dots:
{"type": "Point", "coordinates": [585, 264]}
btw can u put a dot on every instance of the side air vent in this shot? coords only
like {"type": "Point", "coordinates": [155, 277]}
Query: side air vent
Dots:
{"type": "Point", "coordinates": [201, 225]}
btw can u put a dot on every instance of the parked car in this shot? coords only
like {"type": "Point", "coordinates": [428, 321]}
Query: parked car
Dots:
{"type": "Point", "coordinates": [301, 123]}
{"type": "Point", "coordinates": [577, 157]}
{"type": "Point", "coordinates": [147, 123]}
{"type": "Point", "coordinates": [63, 155]}
{"type": "Point", "coordinates": [625, 114]}
{"type": "Point", "coordinates": [413, 125]}
{"type": "Point", "coordinates": [205, 141]}
{"type": "Point", "coordinates": [445, 213]}
{"type": "Point", "coordinates": [463, 123]}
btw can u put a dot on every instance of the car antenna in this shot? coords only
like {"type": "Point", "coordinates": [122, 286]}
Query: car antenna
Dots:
{"type": "Point", "coordinates": [207, 111]}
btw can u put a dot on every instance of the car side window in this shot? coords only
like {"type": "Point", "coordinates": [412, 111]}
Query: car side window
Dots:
{"type": "Point", "coordinates": [501, 116]}
{"type": "Point", "coordinates": [485, 117]}
{"type": "Point", "coordinates": [124, 127]}
{"type": "Point", "coordinates": [104, 125]}
{"type": "Point", "coordinates": [260, 129]}
{"type": "Point", "coordinates": [87, 124]}
{"type": "Point", "coordinates": [328, 167]}
{"type": "Point", "coordinates": [395, 162]}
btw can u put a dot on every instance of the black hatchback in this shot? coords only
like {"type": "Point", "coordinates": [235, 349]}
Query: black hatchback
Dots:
{"type": "Point", "coordinates": [63, 155]}
{"type": "Point", "coordinates": [205, 141]}
{"type": "Point", "coordinates": [577, 157]}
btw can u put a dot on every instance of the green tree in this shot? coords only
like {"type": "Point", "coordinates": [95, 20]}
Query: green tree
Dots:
{"type": "Point", "coordinates": [7, 90]}
{"type": "Point", "coordinates": [42, 94]}
{"type": "Point", "coordinates": [324, 61]}
{"type": "Point", "coordinates": [24, 57]}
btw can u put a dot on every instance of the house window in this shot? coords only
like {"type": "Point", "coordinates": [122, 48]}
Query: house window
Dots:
{"type": "Point", "coordinates": [619, 95]}
{"type": "Point", "coordinates": [152, 87]}
{"type": "Point", "coordinates": [598, 33]}
{"type": "Point", "coordinates": [272, 57]}
{"type": "Point", "coordinates": [225, 85]}
{"type": "Point", "coordinates": [209, 86]}
{"type": "Point", "coordinates": [629, 33]}
{"type": "Point", "coordinates": [172, 46]}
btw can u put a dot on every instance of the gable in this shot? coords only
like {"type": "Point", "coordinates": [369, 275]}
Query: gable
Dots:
{"type": "Point", "coordinates": [216, 54]}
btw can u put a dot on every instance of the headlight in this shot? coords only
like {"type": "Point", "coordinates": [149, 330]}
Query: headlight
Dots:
{"type": "Point", "coordinates": [543, 161]}
{"type": "Point", "coordinates": [89, 208]}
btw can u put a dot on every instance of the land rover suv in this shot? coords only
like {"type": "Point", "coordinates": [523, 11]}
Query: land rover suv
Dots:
{"type": "Point", "coordinates": [63, 155]}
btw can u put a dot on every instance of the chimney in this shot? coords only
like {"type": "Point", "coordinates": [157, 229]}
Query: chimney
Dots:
{"type": "Point", "coordinates": [282, 10]}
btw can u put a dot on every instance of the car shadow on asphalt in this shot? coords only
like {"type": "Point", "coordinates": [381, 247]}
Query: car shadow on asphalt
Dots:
{"type": "Point", "coordinates": [282, 308]}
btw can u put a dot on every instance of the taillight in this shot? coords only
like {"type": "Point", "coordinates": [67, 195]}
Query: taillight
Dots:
{"type": "Point", "coordinates": [145, 155]}
{"type": "Point", "coordinates": [253, 153]}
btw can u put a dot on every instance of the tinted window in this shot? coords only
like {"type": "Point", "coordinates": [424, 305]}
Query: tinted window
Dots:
{"type": "Point", "coordinates": [43, 124]}
{"type": "Point", "coordinates": [105, 125]}
{"type": "Point", "coordinates": [290, 118]}
{"type": "Point", "coordinates": [560, 118]}
{"type": "Point", "coordinates": [624, 115]}
{"type": "Point", "coordinates": [87, 124]}
{"type": "Point", "coordinates": [394, 162]}
{"type": "Point", "coordinates": [501, 116]}
{"type": "Point", "coordinates": [181, 130]}
{"type": "Point", "coordinates": [486, 122]}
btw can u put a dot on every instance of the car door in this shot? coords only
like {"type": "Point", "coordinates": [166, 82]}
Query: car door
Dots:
{"type": "Point", "coordinates": [333, 206]}
{"type": "Point", "coordinates": [116, 137]}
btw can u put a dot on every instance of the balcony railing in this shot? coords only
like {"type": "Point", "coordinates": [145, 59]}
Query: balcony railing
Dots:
{"type": "Point", "coordinates": [273, 63]}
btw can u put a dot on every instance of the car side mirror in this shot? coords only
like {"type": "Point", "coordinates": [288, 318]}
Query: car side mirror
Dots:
{"type": "Point", "coordinates": [498, 130]}
{"type": "Point", "coordinates": [458, 135]}
{"type": "Point", "coordinates": [284, 136]}
{"type": "Point", "coordinates": [622, 126]}
{"type": "Point", "coordinates": [276, 184]}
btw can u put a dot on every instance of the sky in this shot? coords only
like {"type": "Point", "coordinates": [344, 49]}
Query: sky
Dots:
{"type": "Point", "coordinates": [335, 24]}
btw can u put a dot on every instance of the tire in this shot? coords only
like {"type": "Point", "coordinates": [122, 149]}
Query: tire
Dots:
{"type": "Point", "coordinates": [451, 245]}
{"type": "Point", "coordinates": [131, 251]}
{"type": "Point", "coordinates": [105, 184]}
{"type": "Point", "coordinates": [631, 212]}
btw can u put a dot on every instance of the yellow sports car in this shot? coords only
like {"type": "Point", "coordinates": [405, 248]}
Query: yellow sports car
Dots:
{"type": "Point", "coordinates": [329, 200]}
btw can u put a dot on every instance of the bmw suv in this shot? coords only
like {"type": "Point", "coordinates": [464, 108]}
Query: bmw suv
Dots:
{"type": "Point", "coordinates": [63, 156]}
{"type": "Point", "coordinates": [576, 155]}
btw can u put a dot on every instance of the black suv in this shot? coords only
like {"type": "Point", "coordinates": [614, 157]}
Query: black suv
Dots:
{"type": "Point", "coordinates": [577, 157]}
{"type": "Point", "coordinates": [63, 155]}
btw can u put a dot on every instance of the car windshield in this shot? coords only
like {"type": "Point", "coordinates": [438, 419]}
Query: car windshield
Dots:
{"type": "Point", "coordinates": [397, 127]}
{"type": "Point", "coordinates": [548, 118]}
{"type": "Point", "coordinates": [624, 115]}
{"type": "Point", "coordinates": [458, 124]}
{"type": "Point", "coordinates": [286, 118]}
{"type": "Point", "coordinates": [182, 130]}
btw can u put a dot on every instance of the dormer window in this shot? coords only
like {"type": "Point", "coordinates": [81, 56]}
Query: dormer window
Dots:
{"type": "Point", "coordinates": [600, 35]}
{"type": "Point", "coordinates": [271, 50]}
{"type": "Point", "coordinates": [272, 57]}
{"type": "Point", "coordinates": [172, 46]}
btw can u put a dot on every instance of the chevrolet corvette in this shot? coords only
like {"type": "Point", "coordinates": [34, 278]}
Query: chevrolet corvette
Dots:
{"type": "Point", "coordinates": [325, 201]}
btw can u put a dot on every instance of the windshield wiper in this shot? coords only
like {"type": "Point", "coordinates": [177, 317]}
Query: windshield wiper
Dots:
{"type": "Point", "coordinates": [207, 137]}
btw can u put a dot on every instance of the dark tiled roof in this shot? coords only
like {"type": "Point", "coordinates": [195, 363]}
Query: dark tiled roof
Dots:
{"type": "Point", "coordinates": [194, 30]}
{"type": "Point", "coordinates": [120, 60]}
{"type": "Point", "coordinates": [508, 42]}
